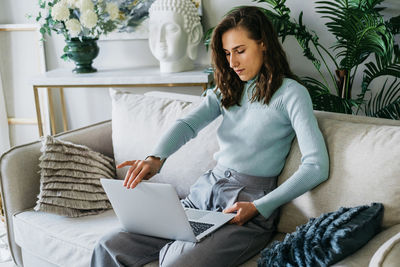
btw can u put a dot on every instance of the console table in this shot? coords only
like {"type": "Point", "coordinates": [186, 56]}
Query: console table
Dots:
{"type": "Point", "coordinates": [133, 77]}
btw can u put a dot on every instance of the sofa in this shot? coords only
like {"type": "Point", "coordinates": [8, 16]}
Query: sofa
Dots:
{"type": "Point", "coordinates": [364, 168]}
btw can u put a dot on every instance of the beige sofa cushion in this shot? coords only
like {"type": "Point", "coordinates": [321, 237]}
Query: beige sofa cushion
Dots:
{"type": "Point", "coordinates": [362, 170]}
{"type": "Point", "coordinates": [138, 122]}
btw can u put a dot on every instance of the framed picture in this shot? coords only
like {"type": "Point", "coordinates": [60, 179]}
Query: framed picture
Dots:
{"type": "Point", "coordinates": [135, 15]}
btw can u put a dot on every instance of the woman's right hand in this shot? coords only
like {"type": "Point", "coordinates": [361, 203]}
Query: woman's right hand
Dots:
{"type": "Point", "coordinates": [139, 170]}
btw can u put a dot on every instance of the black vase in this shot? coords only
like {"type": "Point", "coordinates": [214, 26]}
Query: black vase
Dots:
{"type": "Point", "coordinates": [82, 53]}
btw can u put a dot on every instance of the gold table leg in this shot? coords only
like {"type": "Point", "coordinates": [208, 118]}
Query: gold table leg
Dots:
{"type": "Point", "coordinates": [51, 110]}
{"type": "Point", "coordinates": [63, 110]}
{"type": "Point", "coordinates": [38, 113]}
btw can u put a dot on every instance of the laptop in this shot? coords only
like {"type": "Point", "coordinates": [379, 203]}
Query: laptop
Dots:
{"type": "Point", "coordinates": [154, 209]}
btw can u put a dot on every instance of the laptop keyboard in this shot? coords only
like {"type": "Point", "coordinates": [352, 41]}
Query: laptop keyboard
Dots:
{"type": "Point", "coordinates": [199, 228]}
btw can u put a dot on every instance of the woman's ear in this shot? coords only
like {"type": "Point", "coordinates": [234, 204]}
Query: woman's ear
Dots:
{"type": "Point", "coordinates": [195, 37]}
{"type": "Point", "coordinates": [263, 47]}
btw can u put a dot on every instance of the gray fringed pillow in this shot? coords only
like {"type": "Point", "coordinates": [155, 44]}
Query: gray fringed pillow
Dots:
{"type": "Point", "coordinates": [70, 179]}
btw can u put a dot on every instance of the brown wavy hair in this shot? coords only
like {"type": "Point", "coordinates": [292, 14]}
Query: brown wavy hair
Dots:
{"type": "Point", "coordinates": [273, 70]}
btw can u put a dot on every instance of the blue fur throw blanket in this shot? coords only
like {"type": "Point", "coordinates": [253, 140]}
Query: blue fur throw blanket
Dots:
{"type": "Point", "coordinates": [327, 239]}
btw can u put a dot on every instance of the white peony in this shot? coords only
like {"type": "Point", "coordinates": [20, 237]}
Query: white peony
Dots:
{"type": "Point", "coordinates": [113, 10]}
{"type": "Point", "coordinates": [86, 5]}
{"type": "Point", "coordinates": [60, 11]}
{"type": "Point", "coordinates": [73, 26]}
{"type": "Point", "coordinates": [89, 19]}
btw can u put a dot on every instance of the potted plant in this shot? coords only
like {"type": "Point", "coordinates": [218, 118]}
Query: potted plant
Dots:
{"type": "Point", "coordinates": [81, 22]}
{"type": "Point", "coordinates": [363, 37]}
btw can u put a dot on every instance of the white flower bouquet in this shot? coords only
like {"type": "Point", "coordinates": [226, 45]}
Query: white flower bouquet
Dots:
{"type": "Point", "coordinates": [78, 18]}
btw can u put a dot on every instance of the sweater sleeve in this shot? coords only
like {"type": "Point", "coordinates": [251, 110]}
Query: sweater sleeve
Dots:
{"type": "Point", "coordinates": [188, 127]}
{"type": "Point", "coordinates": [314, 167]}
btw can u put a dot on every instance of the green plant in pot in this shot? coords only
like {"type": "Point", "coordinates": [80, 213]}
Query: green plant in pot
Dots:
{"type": "Point", "coordinates": [81, 22]}
{"type": "Point", "coordinates": [365, 49]}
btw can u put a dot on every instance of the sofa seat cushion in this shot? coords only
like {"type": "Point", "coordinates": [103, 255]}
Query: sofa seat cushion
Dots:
{"type": "Point", "coordinates": [70, 241]}
{"type": "Point", "coordinates": [58, 239]}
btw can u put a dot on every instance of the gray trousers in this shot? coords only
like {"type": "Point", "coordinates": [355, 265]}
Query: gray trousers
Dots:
{"type": "Point", "coordinates": [231, 245]}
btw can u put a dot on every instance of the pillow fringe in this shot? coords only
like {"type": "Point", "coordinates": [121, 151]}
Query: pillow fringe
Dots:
{"type": "Point", "coordinates": [64, 211]}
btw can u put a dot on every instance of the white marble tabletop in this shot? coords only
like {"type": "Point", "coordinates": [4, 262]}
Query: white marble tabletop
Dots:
{"type": "Point", "coordinates": [131, 76]}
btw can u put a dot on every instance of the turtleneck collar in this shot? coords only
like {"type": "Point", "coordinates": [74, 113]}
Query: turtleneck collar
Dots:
{"type": "Point", "coordinates": [251, 81]}
{"type": "Point", "coordinates": [248, 90]}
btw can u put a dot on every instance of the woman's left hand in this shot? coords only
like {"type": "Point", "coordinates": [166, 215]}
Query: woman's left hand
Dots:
{"type": "Point", "coordinates": [245, 212]}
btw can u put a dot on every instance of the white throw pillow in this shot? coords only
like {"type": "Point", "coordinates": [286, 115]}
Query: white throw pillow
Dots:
{"type": "Point", "coordinates": [138, 122]}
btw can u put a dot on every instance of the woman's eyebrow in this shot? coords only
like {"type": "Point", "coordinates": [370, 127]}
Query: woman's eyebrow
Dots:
{"type": "Point", "coordinates": [235, 48]}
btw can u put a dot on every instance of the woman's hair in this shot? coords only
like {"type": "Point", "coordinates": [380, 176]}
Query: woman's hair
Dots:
{"type": "Point", "coordinates": [275, 66]}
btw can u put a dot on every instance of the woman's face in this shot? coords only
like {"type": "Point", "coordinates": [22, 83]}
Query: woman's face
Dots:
{"type": "Point", "coordinates": [245, 55]}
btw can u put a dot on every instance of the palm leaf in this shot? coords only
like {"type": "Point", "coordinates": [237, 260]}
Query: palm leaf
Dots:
{"type": "Point", "coordinates": [385, 104]}
{"type": "Point", "coordinates": [388, 66]}
{"type": "Point", "coordinates": [394, 25]}
{"type": "Point", "coordinates": [360, 30]}
{"type": "Point", "coordinates": [323, 99]}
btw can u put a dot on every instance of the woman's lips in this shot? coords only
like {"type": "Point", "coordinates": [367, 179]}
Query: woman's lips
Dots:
{"type": "Point", "coordinates": [238, 72]}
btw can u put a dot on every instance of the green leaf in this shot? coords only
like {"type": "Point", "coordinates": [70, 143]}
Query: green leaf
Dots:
{"type": "Point", "coordinates": [42, 3]}
{"type": "Point", "coordinates": [324, 100]}
{"type": "Point", "coordinates": [381, 67]}
{"type": "Point", "coordinates": [394, 25]}
{"type": "Point", "coordinates": [65, 57]}
{"type": "Point", "coordinates": [386, 103]}
{"type": "Point", "coordinates": [360, 30]}
{"type": "Point", "coordinates": [207, 37]}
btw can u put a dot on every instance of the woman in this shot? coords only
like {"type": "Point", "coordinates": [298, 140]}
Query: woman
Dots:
{"type": "Point", "coordinates": [263, 108]}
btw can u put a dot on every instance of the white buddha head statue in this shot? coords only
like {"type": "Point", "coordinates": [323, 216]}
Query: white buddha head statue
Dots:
{"type": "Point", "coordinates": [174, 34]}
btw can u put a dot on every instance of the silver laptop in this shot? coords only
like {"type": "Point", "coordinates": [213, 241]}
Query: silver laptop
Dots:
{"type": "Point", "coordinates": [154, 209]}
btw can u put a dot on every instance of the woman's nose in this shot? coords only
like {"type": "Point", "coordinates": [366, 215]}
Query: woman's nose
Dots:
{"type": "Point", "coordinates": [233, 62]}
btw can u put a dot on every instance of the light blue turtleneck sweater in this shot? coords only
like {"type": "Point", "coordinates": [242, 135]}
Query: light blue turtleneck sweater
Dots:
{"type": "Point", "coordinates": [255, 139]}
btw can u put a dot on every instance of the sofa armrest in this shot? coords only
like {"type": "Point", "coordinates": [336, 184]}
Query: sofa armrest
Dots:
{"type": "Point", "coordinates": [19, 172]}
{"type": "Point", "coordinates": [388, 255]}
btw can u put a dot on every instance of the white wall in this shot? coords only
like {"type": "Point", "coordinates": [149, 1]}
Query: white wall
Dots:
{"type": "Point", "coordinates": [92, 105]}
